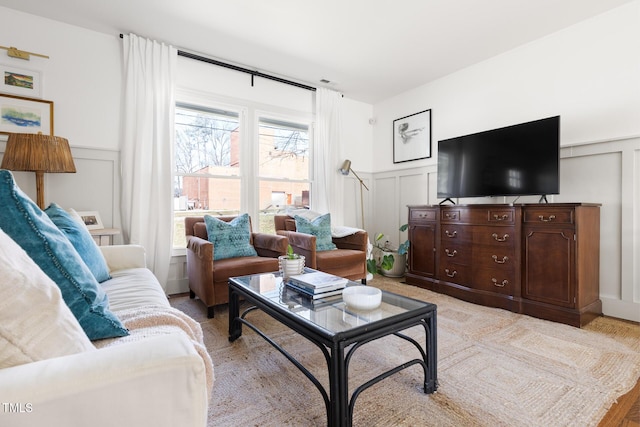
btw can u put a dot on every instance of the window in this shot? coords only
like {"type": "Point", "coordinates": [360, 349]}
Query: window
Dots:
{"type": "Point", "coordinates": [207, 165]}
{"type": "Point", "coordinates": [283, 168]}
{"type": "Point", "coordinates": [210, 177]}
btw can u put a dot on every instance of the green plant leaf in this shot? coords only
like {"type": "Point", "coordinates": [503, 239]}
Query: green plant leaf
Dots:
{"type": "Point", "coordinates": [290, 253]}
{"type": "Point", "coordinates": [372, 267]}
{"type": "Point", "coordinates": [387, 262]}
{"type": "Point", "coordinates": [404, 247]}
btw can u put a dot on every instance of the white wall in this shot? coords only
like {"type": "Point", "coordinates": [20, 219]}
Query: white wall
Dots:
{"type": "Point", "coordinates": [589, 74]}
{"type": "Point", "coordinates": [83, 79]}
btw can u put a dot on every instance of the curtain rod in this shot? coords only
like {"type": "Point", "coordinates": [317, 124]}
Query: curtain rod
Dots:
{"type": "Point", "coordinates": [253, 73]}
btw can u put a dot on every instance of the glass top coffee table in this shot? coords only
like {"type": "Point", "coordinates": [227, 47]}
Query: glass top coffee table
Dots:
{"type": "Point", "coordinates": [338, 331]}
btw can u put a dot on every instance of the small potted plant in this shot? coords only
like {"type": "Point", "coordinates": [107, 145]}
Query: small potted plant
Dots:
{"type": "Point", "coordinates": [391, 261]}
{"type": "Point", "coordinates": [291, 263]}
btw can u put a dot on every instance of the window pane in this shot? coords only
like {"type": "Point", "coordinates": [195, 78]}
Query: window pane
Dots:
{"type": "Point", "coordinates": [283, 169]}
{"type": "Point", "coordinates": [199, 196]}
{"type": "Point", "coordinates": [284, 150]}
{"type": "Point", "coordinates": [207, 141]}
{"type": "Point", "coordinates": [206, 150]}
{"type": "Point", "coordinates": [276, 196]}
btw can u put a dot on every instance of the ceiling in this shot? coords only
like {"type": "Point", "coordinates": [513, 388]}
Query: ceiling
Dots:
{"type": "Point", "coordinates": [369, 50]}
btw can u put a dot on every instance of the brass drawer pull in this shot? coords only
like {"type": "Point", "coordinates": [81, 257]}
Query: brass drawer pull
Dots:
{"type": "Point", "coordinates": [500, 239]}
{"type": "Point", "coordinates": [450, 235]}
{"type": "Point", "coordinates": [501, 217]}
{"type": "Point", "coordinates": [450, 274]}
{"type": "Point", "coordinates": [504, 259]}
{"type": "Point", "coordinates": [451, 215]}
{"type": "Point", "coordinates": [501, 284]}
{"type": "Point", "coordinates": [551, 218]}
{"type": "Point", "coordinates": [451, 254]}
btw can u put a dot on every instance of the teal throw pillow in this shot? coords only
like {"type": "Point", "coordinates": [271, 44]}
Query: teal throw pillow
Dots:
{"type": "Point", "coordinates": [32, 229]}
{"type": "Point", "coordinates": [81, 239]}
{"type": "Point", "coordinates": [319, 227]}
{"type": "Point", "coordinates": [230, 239]}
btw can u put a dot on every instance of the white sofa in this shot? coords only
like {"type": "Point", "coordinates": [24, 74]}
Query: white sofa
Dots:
{"type": "Point", "coordinates": [159, 375]}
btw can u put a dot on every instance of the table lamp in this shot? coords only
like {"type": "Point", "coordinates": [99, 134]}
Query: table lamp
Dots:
{"type": "Point", "coordinates": [38, 153]}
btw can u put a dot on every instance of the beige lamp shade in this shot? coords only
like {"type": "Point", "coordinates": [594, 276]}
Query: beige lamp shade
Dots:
{"type": "Point", "coordinates": [38, 153]}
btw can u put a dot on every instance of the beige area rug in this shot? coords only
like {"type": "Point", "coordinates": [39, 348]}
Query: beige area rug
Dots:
{"type": "Point", "coordinates": [495, 368]}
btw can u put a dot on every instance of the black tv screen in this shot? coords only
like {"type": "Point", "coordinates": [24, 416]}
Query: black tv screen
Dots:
{"type": "Point", "coordinates": [518, 160]}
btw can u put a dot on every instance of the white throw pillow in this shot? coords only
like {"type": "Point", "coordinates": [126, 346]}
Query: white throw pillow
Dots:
{"type": "Point", "coordinates": [75, 215]}
{"type": "Point", "coordinates": [304, 213]}
{"type": "Point", "coordinates": [343, 231]}
{"type": "Point", "coordinates": [35, 322]}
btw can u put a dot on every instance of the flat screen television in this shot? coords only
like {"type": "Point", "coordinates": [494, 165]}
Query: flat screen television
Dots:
{"type": "Point", "coordinates": [518, 160]}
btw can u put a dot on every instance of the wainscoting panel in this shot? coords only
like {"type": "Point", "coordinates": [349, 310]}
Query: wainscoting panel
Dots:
{"type": "Point", "coordinates": [606, 172]}
{"type": "Point", "coordinates": [94, 186]}
{"type": "Point", "coordinates": [589, 178]}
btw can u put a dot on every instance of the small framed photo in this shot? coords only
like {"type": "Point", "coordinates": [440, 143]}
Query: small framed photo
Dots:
{"type": "Point", "coordinates": [20, 81]}
{"type": "Point", "coordinates": [91, 219]}
{"type": "Point", "coordinates": [19, 114]}
{"type": "Point", "coordinates": [412, 137]}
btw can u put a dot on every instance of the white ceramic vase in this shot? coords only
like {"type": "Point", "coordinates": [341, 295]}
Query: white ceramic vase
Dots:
{"type": "Point", "coordinates": [399, 265]}
{"type": "Point", "coordinates": [290, 267]}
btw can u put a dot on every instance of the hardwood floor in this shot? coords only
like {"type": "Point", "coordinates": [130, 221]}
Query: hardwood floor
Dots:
{"type": "Point", "coordinates": [625, 413]}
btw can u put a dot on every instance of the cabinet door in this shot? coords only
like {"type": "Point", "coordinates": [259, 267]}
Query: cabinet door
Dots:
{"type": "Point", "coordinates": [549, 265]}
{"type": "Point", "coordinates": [422, 252]}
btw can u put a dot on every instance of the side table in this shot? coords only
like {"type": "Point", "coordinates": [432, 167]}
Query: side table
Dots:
{"type": "Point", "coordinates": [104, 236]}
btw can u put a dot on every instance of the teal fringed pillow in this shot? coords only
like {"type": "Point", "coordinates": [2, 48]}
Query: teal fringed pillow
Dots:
{"type": "Point", "coordinates": [81, 239]}
{"type": "Point", "coordinates": [230, 239]}
{"type": "Point", "coordinates": [34, 231]}
{"type": "Point", "coordinates": [319, 227]}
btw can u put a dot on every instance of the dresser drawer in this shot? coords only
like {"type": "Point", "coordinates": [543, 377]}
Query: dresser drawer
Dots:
{"type": "Point", "coordinates": [497, 215]}
{"type": "Point", "coordinates": [422, 215]}
{"type": "Point", "coordinates": [456, 273]}
{"type": "Point", "coordinates": [454, 233]}
{"type": "Point", "coordinates": [452, 215]}
{"type": "Point", "coordinates": [490, 257]}
{"type": "Point", "coordinates": [498, 237]}
{"type": "Point", "coordinates": [495, 281]}
{"type": "Point", "coordinates": [454, 252]}
{"type": "Point", "coordinates": [548, 216]}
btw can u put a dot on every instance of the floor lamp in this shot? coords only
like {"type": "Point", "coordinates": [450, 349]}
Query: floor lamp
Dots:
{"type": "Point", "coordinates": [38, 153]}
{"type": "Point", "coordinates": [344, 170]}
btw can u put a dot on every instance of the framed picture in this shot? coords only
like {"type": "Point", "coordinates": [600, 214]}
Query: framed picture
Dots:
{"type": "Point", "coordinates": [19, 114]}
{"type": "Point", "coordinates": [19, 81]}
{"type": "Point", "coordinates": [91, 219]}
{"type": "Point", "coordinates": [412, 137]}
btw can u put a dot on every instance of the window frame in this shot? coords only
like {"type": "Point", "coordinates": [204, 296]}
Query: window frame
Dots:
{"type": "Point", "coordinates": [249, 115]}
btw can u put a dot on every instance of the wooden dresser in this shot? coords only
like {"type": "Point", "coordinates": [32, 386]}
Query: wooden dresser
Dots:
{"type": "Point", "coordinates": [537, 259]}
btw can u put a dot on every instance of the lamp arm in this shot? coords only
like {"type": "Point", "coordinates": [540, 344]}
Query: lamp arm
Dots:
{"type": "Point", "coordinates": [359, 179]}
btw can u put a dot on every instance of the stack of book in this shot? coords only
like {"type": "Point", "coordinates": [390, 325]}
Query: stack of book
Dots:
{"type": "Point", "coordinates": [317, 284]}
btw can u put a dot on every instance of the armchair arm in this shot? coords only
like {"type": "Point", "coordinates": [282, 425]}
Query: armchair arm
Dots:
{"type": "Point", "coordinates": [270, 245]}
{"type": "Point", "coordinates": [120, 257]}
{"type": "Point", "coordinates": [159, 381]}
{"type": "Point", "coordinates": [357, 241]}
{"type": "Point", "coordinates": [302, 244]}
{"type": "Point", "coordinates": [201, 248]}
{"type": "Point", "coordinates": [200, 267]}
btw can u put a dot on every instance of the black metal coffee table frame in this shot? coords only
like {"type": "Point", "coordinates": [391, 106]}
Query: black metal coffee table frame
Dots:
{"type": "Point", "coordinates": [333, 345]}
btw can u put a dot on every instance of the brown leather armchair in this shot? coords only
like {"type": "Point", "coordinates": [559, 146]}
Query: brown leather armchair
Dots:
{"type": "Point", "coordinates": [208, 279]}
{"type": "Point", "coordinates": [349, 260]}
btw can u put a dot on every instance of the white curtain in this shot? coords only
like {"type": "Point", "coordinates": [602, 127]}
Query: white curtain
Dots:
{"type": "Point", "coordinates": [147, 149]}
{"type": "Point", "coordinates": [326, 195]}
